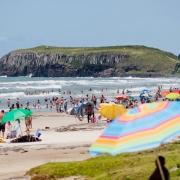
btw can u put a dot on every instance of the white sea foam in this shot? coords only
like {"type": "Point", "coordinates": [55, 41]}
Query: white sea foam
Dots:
{"type": "Point", "coordinates": [22, 94]}
{"type": "Point", "coordinates": [13, 94]}
{"type": "Point", "coordinates": [13, 88]}
{"type": "Point", "coordinates": [28, 88]}
{"type": "Point", "coordinates": [3, 76]}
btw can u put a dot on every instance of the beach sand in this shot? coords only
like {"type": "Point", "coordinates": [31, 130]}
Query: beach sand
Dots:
{"type": "Point", "coordinates": [71, 144]}
{"type": "Point", "coordinates": [17, 158]}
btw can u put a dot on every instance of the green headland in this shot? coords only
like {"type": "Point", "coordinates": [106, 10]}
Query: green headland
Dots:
{"type": "Point", "coordinates": [139, 61]}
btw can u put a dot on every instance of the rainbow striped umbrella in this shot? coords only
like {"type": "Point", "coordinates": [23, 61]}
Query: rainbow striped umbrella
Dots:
{"type": "Point", "coordinates": [139, 129]}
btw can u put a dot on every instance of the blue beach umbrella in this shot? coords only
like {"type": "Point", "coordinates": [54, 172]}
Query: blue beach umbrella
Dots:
{"type": "Point", "coordinates": [145, 91]}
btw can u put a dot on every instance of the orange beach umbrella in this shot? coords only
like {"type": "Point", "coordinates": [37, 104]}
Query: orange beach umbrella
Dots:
{"type": "Point", "coordinates": [164, 93]}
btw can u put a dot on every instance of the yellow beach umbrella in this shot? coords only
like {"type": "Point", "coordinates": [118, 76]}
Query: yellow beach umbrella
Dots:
{"type": "Point", "coordinates": [102, 104]}
{"type": "Point", "coordinates": [111, 111]}
{"type": "Point", "coordinates": [172, 96]}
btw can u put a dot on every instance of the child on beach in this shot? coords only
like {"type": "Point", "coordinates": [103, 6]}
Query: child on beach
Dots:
{"type": "Point", "coordinates": [89, 112]}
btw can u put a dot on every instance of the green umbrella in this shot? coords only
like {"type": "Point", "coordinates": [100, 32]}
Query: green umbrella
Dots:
{"type": "Point", "coordinates": [16, 114]}
{"type": "Point", "coordinates": [131, 98]}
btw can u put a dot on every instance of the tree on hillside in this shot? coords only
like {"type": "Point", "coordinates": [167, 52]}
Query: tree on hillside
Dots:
{"type": "Point", "coordinates": [179, 56]}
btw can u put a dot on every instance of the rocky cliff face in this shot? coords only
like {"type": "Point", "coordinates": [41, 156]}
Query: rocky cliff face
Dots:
{"type": "Point", "coordinates": [62, 65]}
{"type": "Point", "coordinates": [58, 65]}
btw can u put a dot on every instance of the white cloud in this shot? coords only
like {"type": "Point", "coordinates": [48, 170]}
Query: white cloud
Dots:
{"type": "Point", "coordinates": [3, 39]}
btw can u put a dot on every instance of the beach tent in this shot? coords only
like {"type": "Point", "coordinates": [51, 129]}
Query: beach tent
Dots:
{"type": "Point", "coordinates": [78, 110]}
{"type": "Point", "coordinates": [81, 111]}
{"type": "Point", "coordinates": [70, 111]}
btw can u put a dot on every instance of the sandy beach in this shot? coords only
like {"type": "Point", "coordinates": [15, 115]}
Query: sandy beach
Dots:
{"type": "Point", "coordinates": [65, 139]}
{"type": "Point", "coordinates": [71, 145]}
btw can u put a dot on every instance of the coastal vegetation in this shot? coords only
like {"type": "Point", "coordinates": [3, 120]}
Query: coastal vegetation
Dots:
{"type": "Point", "coordinates": [136, 61]}
{"type": "Point", "coordinates": [126, 166]}
{"type": "Point", "coordinates": [136, 50]}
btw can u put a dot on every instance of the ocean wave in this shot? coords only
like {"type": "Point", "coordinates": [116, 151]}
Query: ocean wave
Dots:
{"type": "Point", "coordinates": [22, 94]}
{"type": "Point", "coordinates": [29, 88]}
{"type": "Point", "coordinates": [13, 95]}
{"type": "Point", "coordinates": [3, 76]}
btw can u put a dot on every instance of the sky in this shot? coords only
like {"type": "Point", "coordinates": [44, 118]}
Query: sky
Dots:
{"type": "Point", "coordinates": [90, 23]}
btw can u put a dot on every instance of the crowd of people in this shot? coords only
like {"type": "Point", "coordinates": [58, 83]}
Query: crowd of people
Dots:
{"type": "Point", "coordinates": [61, 104]}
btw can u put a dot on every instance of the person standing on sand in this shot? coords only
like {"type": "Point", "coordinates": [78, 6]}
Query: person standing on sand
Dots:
{"type": "Point", "coordinates": [57, 104]}
{"type": "Point", "coordinates": [102, 98]}
{"type": "Point", "coordinates": [30, 117]}
{"type": "Point", "coordinates": [94, 99]}
{"type": "Point", "coordinates": [90, 112]}
{"type": "Point", "coordinates": [65, 105]}
{"type": "Point", "coordinates": [2, 126]}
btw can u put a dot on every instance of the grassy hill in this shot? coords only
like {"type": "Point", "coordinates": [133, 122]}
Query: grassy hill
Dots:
{"type": "Point", "coordinates": [134, 50]}
{"type": "Point", "coordinates": [141, 61]}
{"type": "Point", "coordinates": [126, 166]}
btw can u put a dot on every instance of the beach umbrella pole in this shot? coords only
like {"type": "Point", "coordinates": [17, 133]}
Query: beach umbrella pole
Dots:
{"type": "Point", "coordinates": [76, 118]}
{"type": "Point", "coordinates": [159, 166]}
{"type": "Point", "coordinates": [20, 129]}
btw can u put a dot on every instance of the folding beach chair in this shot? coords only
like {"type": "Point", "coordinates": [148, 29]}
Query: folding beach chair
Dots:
{"type": "Point", "coordinates": [99, 119]}
{"type": "Point", "coordinates": [13, 132]}
{"type": "Point", "coordinates": [37, 134]}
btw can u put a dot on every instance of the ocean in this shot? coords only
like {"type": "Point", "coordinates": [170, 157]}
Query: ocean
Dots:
{"type": "Point", "coordinates": [16, 87]}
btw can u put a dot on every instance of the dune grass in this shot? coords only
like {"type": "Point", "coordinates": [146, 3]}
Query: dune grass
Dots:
{"type": "Point", "coordinates": [126, 166]}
